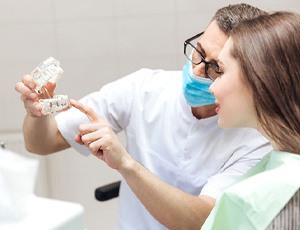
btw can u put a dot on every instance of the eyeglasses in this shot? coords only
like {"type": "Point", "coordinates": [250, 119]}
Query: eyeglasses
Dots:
{"type": "Point", "coordinates": [211, 70]}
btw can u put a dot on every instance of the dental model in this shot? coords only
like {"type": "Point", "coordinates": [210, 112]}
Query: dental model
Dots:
{"type": "Point", "coordinates": [49, 71]}
{"type": "Point", "coordinates": [55, 104]}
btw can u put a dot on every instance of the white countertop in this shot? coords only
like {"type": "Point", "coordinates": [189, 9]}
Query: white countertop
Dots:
{"type": "Point", "coordinates": [47, 214]}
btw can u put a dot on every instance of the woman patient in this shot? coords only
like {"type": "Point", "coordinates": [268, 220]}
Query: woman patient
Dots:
{"type": "Point", "coordinates": [259, 87]}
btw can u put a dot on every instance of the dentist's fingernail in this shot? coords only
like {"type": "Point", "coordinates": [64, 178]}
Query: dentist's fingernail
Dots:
{"type": "Point", "coordinates": [37, 107]}
{"type": "Point", "coordinates": [32, 95]}
{"type": "Point", "coordinates": [31, 85]}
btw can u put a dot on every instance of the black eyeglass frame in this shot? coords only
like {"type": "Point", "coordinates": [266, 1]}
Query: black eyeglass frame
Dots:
{"type": "Point", "coordinates": [188, 41]}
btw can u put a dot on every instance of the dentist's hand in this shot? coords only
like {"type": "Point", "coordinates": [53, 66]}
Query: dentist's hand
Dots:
{"type": "Point", "coordinates": [30, 98]}
{"type": "Point", "coordinates": [101, 140]}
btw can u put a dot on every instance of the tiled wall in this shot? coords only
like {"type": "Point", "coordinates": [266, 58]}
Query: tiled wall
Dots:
{"type": "Point", "coordinates": [97, 42]}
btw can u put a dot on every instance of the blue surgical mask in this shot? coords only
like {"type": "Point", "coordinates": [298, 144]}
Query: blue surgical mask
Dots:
{"type": "Point", "coordinates": [195, 88]}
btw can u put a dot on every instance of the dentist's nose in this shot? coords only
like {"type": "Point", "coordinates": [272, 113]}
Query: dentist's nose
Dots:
{"type": "Point", "coordinates": [199, 70]}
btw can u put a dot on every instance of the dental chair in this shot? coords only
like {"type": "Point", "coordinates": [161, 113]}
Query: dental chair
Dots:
{"type": "Point", "coordinates": [2, 145]}
{"type": "Point", "coordinates": [108, 192]}
{"type": "Point", "coordinates": [288, 218]}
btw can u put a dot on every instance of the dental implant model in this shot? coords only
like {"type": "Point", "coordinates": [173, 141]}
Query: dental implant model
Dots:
{"type": "Point", "coordinates": [49, 71]}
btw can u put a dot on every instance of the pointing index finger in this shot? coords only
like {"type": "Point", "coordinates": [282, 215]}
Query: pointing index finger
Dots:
{"type": "Point", "coordinates": [89, 112]}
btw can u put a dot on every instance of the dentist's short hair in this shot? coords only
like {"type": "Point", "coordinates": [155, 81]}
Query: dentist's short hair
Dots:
{"type": "Point", "coordinates": [230, 16]}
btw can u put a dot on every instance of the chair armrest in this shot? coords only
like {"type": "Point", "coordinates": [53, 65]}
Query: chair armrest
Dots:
{"type": "Point", "coordinates": [108, 192]}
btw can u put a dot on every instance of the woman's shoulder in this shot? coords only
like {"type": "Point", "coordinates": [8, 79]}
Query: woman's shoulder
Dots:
{"type": "Point", "coordinates": [277, 180]}
{"type": "Point", "coordinates": [285, 155]}
{"type": "Point", "coordinates": [275, 169]}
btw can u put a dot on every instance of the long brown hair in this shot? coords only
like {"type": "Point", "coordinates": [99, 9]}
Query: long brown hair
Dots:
{"type": "Point", "coordinates": [268, 51]}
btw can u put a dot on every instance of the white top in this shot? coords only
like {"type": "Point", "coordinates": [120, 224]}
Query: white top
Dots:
{"type": "Point", "coordinates": [193, 155]}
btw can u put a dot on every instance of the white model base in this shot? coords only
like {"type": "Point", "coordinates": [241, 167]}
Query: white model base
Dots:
{"type": "Point", "coordinates": [55, 104]}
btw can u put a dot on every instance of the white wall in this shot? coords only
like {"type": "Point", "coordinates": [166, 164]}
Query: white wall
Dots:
{"type": "Point", "coordinates": [97, 42]}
